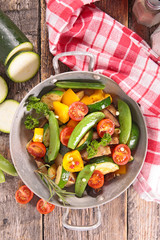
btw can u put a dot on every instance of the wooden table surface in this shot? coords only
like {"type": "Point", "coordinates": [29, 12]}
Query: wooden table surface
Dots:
{"type": "Point", "coordinates": [128, 216]}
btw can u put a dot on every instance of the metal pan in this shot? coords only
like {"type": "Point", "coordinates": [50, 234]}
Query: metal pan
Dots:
{"type": "Point", "coordinates": [25, 166]}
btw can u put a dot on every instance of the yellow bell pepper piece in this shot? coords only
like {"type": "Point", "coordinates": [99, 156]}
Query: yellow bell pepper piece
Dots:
{"type": "Point", "coordinates": [122, 170]}
{"type": "Point", "coordinates": [69, 97]}
{"type": "Point", "coordinates": [72, 161]}
{"type": "Point", "coordinates": [97, 95]}
{"type": "Point", "coordinates": [38, 135]}
{"type": "Point", "coordinates": [86, 100]}
{"type": "Point", "coordinates": [61, 110]}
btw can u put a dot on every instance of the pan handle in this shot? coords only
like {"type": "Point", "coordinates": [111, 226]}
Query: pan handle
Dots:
{"type": "Point", "coordinates": [73, 53]}
{"type": "Point", "coordinates": [81, 228]}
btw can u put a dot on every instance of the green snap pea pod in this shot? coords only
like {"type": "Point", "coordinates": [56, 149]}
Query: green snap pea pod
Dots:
{"type": "Point", "coordinates": [134, 136]}
{"type": "Point", "coordinates": [125, 120]}
{"type": "Point", "coordinates": [54, 141]}
{"type": "Point", "coordinates": [7, 167]}
{"type": "Point", "coordinates": [83, 85]}
{"type": "Point", "coordinates": [84, 126]}
{"type": "Point", "coordinates": [2, 177]}
{"type": "Point", "coordinates": [83, 178]}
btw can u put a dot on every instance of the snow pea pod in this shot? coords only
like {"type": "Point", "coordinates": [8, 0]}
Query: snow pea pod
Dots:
{"type": "Point", "coordinates": [125, 120]}
{"type": "Point", "coordinates": [2, 177]}
{"type": "Point", "coordinates": [83, 126]}
{"type": "Point", "coordinates": [54, 141]}
{"type": "Point", "coordinates": [7, 167]}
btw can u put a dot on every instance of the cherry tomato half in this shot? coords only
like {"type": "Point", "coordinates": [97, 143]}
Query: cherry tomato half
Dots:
{"type": "Point", "coordinates": [105, 126]}
{"type": "Point", "coordinates": [96, 180]}
{"type": "Point", "coordinates": [65, 135]}
{"type": "Point", "coordinates": [23, 195]}
{"type": "Point", "coordinates": [77, 111]}
{"type": "Point", "coordinates": [121, 154]}
{"type": "Point", "coordinates": [44, 207]}
{"type": "Point", "coordinates": [36, 149]}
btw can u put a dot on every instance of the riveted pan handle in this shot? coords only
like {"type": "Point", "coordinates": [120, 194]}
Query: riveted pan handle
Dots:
{"type": "Point", "coordinates": [81, 228]}
{"type": "Point", "coordinates": [74, 53]}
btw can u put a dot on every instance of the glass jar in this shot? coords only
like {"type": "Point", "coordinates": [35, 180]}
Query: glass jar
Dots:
{"type": "Point", "coordinates": [147, 12]}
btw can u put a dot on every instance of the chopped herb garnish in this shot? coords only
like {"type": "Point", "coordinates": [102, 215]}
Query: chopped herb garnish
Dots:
{"type": "Point", "coordinates": [40, 108]}
{"type": "Point", "coordinates": [92, 148]}
{"type": "Point", "coordinates": [31, 122]}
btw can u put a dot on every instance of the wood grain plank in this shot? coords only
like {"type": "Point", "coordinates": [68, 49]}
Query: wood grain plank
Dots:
{"type": "Point", "coordinates": [143, 218]}
{"type": "Point", "coordinates": [117, 9]}
{"type": "Point", "coordinates": [114, 214]}
{"type": "Point", "coordinates": [17, 221]}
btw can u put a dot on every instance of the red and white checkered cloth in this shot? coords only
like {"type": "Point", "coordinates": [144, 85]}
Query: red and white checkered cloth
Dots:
{"type": "Point", "coordinates": [121, 55]}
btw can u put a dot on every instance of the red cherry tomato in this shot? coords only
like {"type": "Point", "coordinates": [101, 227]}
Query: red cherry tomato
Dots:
{"type": "Point", "coordinates": [77, 111]}
{"type": "Point", "coordinates": [23, 195]}
{"type": "Point", "coordinates": [105, 126]}
{"type": "Point", "coordinates": [36, 149]}
{"type": "Point", "coordinates": [121, 154]}
{"type": "Point", "coordinates": [44, 207]}
{"type": "Point", "coordinates": [65, 135]}
{"type": "Point", "coordinates": [96, 180]}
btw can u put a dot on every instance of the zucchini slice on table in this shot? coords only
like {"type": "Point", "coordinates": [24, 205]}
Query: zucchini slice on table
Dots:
{"type": "Point", "coordinates": [12, 39]}
{"type": "Point", "coordinates": [80, 85]}
{"type": "Point", "coordinates": [7, 111]}
{"type": "Point", "coordinates": [3, 89]}
{"type": "Point", "coordinates": [23, 66]}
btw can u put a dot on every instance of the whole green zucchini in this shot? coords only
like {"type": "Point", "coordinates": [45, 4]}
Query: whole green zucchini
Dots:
{"type": "Point", "coordinates": [12, 39]}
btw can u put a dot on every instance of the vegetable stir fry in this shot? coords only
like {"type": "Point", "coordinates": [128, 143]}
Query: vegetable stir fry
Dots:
{"type": "Point", "coordinates": [86, 137]}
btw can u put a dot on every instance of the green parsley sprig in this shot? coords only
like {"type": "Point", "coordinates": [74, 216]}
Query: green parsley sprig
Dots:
{"type": "Point", "coordinates": [92, 148]}
{"type": "Point", "coordinates": [40, 108]}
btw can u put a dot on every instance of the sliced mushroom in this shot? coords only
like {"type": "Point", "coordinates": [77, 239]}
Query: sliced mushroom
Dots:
{"type": "Point", "coordinates": [115, 140]}
{"type": "Point", "coordinates": [71, 180]}
{"type": "Point", "coordinates": [101, 152]}
{"type": "Point", "coordinates": [109, 115]}
{"type": "Point", "coordinates": [95, 136]}
{"type": "Point", "coordinates": [112, 109]}
{"type": "Point", "coordinates": [41, 165]}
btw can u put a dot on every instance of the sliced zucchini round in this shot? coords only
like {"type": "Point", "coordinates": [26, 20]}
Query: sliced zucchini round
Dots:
{"type": "Point", "coordinates": [46, 135]}
{"type": "Point", "coordinates": [3, 89]}
{"type": "Point", "coordinates": [98, 106]}
{"type": "Point", "coordinates": [62, 176]}
{"type": "Point", "coordinates": [7, 111]}
{"type": "Point", "coordinates": [12, 39]}
{"type": "Point", "coordinates": [85, 140]}
{"type": "Point", "coordinates": [23, 66]}
{"type": "Point", "coordinates": [104, 164]}
{"type": "Point", "coordinates": [26, 46]}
